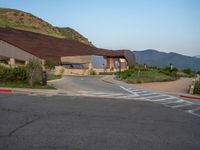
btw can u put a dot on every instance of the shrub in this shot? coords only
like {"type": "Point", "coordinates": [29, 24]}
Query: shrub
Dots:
{"type": "Point", "coordinates": [197, 88]}
{"type": "Point", "coordinates": [167, 71]}
{"type": "Point", "coordinates": [13, 74]}
{"type": "Point", "coordinates": [50, 64]}
{"type": "Point", "coordinates": [34, 71]}
{"type": "Point", "coordinates": [20, 73]}
{"type": "Point", "coordinates": [62, 70]}
{"type": "Point", "coordinates": [188, 71]}
{"type": "Point", "coordinates": [93, 72]}
{"type": "Point", "coordinates": [125, 74]}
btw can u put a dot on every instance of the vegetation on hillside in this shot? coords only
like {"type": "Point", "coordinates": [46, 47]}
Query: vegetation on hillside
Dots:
{"type": "Point", "coordinates": [70, 33]}
{"type": "Point", "coordinates": [141, 74]}
{"type": "Point", "coordinates": [25, 21]}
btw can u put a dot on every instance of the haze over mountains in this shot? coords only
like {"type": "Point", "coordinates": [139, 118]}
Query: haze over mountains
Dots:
{"type": "Point", "coordinates": [162, 59]}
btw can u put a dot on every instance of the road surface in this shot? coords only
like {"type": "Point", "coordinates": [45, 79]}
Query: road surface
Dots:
{"type": "Point", "coordinates": [36, 122]}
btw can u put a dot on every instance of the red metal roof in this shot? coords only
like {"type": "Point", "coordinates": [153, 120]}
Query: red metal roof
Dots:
{"type": "Point", "coordinates": [45, 47]}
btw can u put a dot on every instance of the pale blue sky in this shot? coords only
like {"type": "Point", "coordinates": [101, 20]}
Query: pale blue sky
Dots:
{"type": "Point", "coordinates": [166, 25]}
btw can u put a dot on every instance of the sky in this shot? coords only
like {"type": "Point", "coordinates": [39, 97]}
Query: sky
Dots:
{"type": "Point", "coordinates": [164, 25]}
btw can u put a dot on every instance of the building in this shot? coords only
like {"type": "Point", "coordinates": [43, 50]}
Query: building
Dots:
{"type": "Point", "coordinates": [18, 47]}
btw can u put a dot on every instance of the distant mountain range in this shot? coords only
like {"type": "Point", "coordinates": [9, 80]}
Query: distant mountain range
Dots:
{"type": "Point", "coordinates": [162, 59]}
{"type": "Point", "coordinates": [197, 56]}
{"type": "Point", "coordinates": [12, 18]}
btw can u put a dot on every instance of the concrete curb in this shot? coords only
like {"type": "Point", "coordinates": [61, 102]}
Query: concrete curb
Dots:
{"type": "Point", "coordinates": [6, 90]}
{"type": "Point", "coordinates": [54, 80]}
{"type": "Point", "coordinates": [106, 81]}
{"type": "Point", "coordinates": [28, 91]}
{"type": "Point", "coordinates": [190, 97]}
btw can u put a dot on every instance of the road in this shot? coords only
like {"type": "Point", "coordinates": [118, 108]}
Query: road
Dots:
{"type": "Point", "coordinates": [88, 123]}
{"type": "Point", "coordinates": [87, 83]}
{"type": "Point", "coordinates": [95, 87]}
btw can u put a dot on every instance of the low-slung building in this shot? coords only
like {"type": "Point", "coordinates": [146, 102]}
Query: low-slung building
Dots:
{"type": "Point", "coordinates": [17, 47]}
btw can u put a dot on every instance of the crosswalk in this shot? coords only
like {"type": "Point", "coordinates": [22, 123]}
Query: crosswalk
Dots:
{"type": "Point", "coordinates": [109, 95]}
{"type": "Point", "coordinates": [141, 95]}
{"type": "Point", "coordinates": [167, 100]}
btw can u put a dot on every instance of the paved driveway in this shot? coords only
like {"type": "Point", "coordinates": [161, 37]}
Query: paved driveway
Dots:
{"type": "Point", "coordinates": [86, 83]}
{"type": "Point", "coordinates": [83, 123]}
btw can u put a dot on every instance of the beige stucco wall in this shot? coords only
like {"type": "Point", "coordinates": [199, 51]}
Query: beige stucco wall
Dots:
{"type": "Point", "coordinates": [10, 51]}
{"type": "Point", "coordinates": [86, 59]}
{"type": "Point", "coordinates": [62, 71]}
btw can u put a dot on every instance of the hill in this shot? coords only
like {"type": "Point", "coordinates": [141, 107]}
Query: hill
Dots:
{"type": "Point", "coordinates": [197, 56]}
{"type": "Point", "coordinates": [161, 59]}
{"type": "Point", "coordinates": [17, 19]}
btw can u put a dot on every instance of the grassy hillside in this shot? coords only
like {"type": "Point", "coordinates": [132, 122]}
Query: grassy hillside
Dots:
{"type": "Point", "coordinates": [161, 59]}
{"type": "Point", "coordinates": [70, 33]}
{"type": "Point", "coordinates": [25, 21]}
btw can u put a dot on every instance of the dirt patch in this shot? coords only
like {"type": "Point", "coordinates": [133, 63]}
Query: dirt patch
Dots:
{"type": "Point", "coordinates": [179, 86]}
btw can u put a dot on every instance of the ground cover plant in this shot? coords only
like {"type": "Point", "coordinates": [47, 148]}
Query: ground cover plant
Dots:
{"type": "Point", "coordinates": [141, 74]}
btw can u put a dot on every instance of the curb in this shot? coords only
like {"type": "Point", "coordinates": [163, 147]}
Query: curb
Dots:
{"type": "Point", "coordinates": [6, 91]}
{"type": "Point", "coordinates": [49, 81]}
{"type": "Point", "coordinates": [107, 81]}
{"type": "Point", "coordinates": [27, 91]}
{"type": "Point", "coordinates": [190, 97]}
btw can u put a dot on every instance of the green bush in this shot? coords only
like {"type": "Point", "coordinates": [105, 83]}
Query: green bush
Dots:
{"type": "Point", "coordinates": [167, 71]}
{"type": "Point", "coordinates": [34, 71]}
{"type": "Point", "coordinates": [20, 73]}
{"type": "Point", "coordinates": [50, 64]}
{"type": "Point", "coordinates": [188, 71]}
{"type": "Point", "coordinates": [93, 72]}
{"type": "Point", "coordinates": [132, 76]}
{"type": "Point", "coordinates": [125, 74]}
{"type": "Point", "coordinates": [13, 74]}
{"type": "Point", "coordinates": [197, 88]}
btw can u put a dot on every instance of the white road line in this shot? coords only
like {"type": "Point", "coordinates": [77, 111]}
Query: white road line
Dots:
{"type": "Point", "coordinates": [143, 92]}
{"type": "Point", "coordinates": [148, 94]}
{"type": "Point", "coordinates": [193, 110]}
{"type": "Point", "coordinates": [155, 96]}
{"type": "Point", "coordinates": [32, 94]}
{"type": "Point", "coordinates": [183, 105]}
{"type": "Point", "coordinates": [130, 96]}
{"type": "Point", "coordinates": [129, 91]}
{"type": "Point", "coordinates": [164, 99]}
{"type": "Point", "coordinates": [101, 95]}
{"type": "Point", "coordinates": [134, 89]}
{"type": "Point", "coordinates": [174, 102]}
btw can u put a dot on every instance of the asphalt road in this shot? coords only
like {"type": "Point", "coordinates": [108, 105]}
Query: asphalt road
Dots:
{"type": "Point", "coordinates": [83, 123]}
{"type": "Point", "coordinates": [86, 83]}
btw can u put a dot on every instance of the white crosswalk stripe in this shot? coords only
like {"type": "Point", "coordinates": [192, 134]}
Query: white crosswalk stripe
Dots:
{"type": "Point", "coordinates": [167, 100]}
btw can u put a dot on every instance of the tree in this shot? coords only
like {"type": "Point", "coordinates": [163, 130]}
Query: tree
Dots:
{"type": "Point", "coordinates": [50, 64]}
{"type": "Point", "coordinates": [34, 70]}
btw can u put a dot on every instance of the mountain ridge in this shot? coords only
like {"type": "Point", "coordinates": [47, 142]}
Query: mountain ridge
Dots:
{"type": "Point", "coordinates": [17, 19]}
{"type": "Point", "coordinates": [162, 59]}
